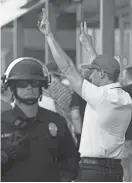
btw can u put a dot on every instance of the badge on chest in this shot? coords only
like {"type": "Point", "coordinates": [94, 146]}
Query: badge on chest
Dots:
{"type": "Point", "coordinates": [53, 129]}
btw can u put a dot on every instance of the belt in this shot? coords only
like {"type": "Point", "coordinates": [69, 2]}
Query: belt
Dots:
{"type": "Point", "coordinates": [101, 161]}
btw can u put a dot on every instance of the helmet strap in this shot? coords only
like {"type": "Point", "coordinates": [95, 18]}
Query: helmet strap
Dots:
{"type": "Point", "coordinates": [29, 101]}
{"type": "Point", "coordinates": [40, 98]}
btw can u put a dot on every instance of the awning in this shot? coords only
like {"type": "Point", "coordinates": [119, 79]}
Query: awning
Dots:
{"type": "Point", "coordinates": [13, 9]}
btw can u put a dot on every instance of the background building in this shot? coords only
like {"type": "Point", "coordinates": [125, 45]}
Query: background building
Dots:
{"type": "Point", "coordinates": [109, 22]}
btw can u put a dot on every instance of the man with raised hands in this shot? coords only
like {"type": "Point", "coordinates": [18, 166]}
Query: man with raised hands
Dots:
{"type": "Point", "coordinates": [107, 113]}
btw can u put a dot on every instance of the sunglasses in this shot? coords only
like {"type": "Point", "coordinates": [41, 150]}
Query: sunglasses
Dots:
{"type": "Point", "coordinates": [25, 83]}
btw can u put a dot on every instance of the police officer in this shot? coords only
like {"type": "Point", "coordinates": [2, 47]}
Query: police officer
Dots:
{"type": "Point", "coordinates": [36, 143]}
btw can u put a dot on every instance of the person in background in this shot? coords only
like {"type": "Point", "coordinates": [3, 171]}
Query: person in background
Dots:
{"type": "Point", "coordinates": [6, 97]}
{"type": "Point", "coordinates": [36, 144]}
{"type": "Point", "coordinates": [60, 94]}
{"type": "Point", "coordinates": [107, 114]}
{"type": "Point", "coordinates": [47, 100]}
{"type": "Point", "coordinates": [126, 83]}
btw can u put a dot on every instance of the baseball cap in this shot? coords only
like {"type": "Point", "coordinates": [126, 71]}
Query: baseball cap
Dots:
{"type": "Point", "coordinates": [105, 62]}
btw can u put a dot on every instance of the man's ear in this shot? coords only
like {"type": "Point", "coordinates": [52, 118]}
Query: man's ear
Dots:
{"type": "Point", "coordinates": [102, 74]}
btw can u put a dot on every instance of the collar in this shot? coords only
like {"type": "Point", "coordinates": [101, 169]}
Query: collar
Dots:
{"type": "Point", "coordinates": [18, 113]}
{"type": "Point", "coordinates": [112, 85]}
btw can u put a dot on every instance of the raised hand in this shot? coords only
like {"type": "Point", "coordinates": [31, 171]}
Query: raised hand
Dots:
{"type": "Point", "coordinates": [44, 25]}
{"type": "Point", "coordinates": [85, 38]}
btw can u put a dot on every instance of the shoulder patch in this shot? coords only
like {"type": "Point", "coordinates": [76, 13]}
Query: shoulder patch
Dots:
{"type": "Point", "coordinates": [8, 117]}
{"type": "Point", "coordinates": [19, 123]}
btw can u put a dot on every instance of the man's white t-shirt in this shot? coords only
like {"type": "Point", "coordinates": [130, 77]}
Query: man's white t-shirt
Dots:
{"type": "Point", "coordinates": [107, 116]}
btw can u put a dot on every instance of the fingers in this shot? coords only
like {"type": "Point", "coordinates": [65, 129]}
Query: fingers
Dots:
{"type": "Point", "coordinates": [38, 24]}
{"type": "Point", "coordinates": [44, 13]}
{"type": "Point", "coordinates": [85, 28]}
{"type": "Point", "coordinates": [44, 17]}
{"type": "Point", "coordinates": [81, 27]}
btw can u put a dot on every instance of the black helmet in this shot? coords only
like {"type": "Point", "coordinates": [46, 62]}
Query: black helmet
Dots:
{"type": "Point", "coordinates": [27, 68]}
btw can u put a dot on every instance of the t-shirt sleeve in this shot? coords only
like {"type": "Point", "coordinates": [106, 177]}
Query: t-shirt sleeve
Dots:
{"type": "Point", "coordinates": [91, 93]}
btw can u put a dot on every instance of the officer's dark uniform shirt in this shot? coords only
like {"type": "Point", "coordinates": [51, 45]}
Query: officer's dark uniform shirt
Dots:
{"type": "Point", "coordinates": [38, 149]}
